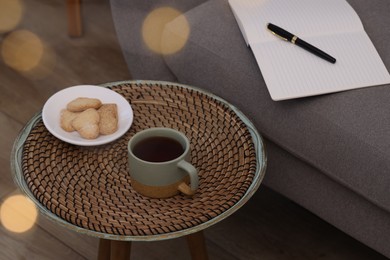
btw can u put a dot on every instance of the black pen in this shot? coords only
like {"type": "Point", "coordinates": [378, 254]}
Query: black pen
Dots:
{"type": "Point", "coordinates": [285, 35]}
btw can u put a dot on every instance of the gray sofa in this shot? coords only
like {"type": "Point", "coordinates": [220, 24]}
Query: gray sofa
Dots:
{"type": "Point", "coordinates": [329, 153]}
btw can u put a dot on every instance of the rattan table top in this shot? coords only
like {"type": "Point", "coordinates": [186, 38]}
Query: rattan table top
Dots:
{"type": "Point", "coordinates": [88, 189]}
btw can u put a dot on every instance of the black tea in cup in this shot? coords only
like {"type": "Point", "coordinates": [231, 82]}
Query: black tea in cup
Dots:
{"type": "Point", "coordinates": [158, 149]}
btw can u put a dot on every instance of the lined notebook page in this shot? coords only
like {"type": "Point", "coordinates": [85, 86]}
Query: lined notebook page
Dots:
{"type": "Point", "coordinates": [331, 25]}
{"type": "Point", "coordinates": [301, 17]}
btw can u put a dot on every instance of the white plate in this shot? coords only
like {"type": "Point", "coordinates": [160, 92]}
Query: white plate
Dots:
{"type": "Point", "coordinates": [52, 111]}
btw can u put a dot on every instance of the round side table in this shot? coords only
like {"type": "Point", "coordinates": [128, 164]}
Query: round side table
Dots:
{"type": "Point", "coordinates": [88, 189]}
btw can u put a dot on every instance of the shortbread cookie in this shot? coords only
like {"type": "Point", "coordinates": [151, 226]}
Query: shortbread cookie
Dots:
{"type": "Point", "coordinates": [108, 119]}
{"type": "Point", "coordinates": [87, 123]}
{"type": "Point", "coordinates": [83, 103]}
{"type": "Point", "coordinates": [66, 120]}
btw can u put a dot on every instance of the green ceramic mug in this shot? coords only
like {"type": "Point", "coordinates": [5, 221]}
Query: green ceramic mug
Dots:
{"type": "Point", "coordinates": [159, 163]}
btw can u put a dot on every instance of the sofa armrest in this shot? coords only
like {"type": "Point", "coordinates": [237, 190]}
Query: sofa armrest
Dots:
{"type": "Point", "coordinates": [128, 16]}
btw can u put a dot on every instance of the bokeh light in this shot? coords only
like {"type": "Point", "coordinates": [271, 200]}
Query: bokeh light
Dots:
{"type": "Point", "coordinates": [22, 50]}
{"type": "Point", "coordinates": [18, 214]}
{"type": "Point", "coordinates": [11, 12]}
{"type": "Point", "coordinates": [153, 29]}
{"type": "Point", "coordinates": [26, 53]}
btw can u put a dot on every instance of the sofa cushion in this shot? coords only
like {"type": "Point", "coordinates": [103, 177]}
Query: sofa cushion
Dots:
{"type": "Point", "coordinates": [344, 135]}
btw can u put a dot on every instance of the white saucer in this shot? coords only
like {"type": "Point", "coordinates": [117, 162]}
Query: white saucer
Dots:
{"type": "Point", "coordinates": [52, 111]}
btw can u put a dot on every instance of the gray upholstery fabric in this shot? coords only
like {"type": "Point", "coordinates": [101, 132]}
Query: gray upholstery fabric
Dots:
{"type": "Point", "coordinates": [344, 136]}
{"type": "Point", "coordinates": [128, 17]}
{"type": "Point", "coordinates": [328, 199]}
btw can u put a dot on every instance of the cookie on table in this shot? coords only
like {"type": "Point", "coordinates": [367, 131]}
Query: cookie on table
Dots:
{"type": "Point", "coordinates": [66, 120]}
{"type": "Point", "coordinates": [87, 123]}
{"type": "Point", "coordinates": [108, 123]}
{"type": "Point", "coordinates": [83, 103]}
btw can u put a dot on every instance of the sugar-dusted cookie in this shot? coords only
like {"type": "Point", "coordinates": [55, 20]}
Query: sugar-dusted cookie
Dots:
{"type": "Point", "coordinates": [66, 120]}
{"type": "Point", "coordinates": [108, 119]}
{"type": "Point", "coordinates": [87, 123]}
{"type": "Point", "coordinates": [83, 103]}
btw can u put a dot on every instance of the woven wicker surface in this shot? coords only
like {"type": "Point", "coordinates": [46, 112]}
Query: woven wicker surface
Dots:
{"type": "Point", "coordinates": [90, 186]}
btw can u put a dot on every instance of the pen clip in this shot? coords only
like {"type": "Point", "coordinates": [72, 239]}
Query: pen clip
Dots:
{"type": "Point", "coordinates": [277, 35]}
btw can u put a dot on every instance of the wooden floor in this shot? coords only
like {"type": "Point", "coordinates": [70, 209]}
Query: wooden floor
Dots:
{"type": "Point", "coordinates": [267, 227]}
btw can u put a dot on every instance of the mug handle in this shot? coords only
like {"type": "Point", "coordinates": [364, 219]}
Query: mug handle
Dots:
{"type": "Point", "coordinates": [194, 179]}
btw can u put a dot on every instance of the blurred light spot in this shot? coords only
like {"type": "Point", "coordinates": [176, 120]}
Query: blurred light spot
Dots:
{"type": "Point", "coordinates": [22, 50]}
{"type": "Point", "coordinates": [25, 52]}
{"type": "Point", "coordinates": [18, 214]}
{"type": "Point", "coordinates": [11, 12]}
{"type": "Point", "coordinates": [153, 28]}
{"type": "Point", "coordinates": [175, 36]}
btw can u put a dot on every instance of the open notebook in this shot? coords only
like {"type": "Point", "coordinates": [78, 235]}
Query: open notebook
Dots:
{"type": "Point", "coordinates": [331, 25]}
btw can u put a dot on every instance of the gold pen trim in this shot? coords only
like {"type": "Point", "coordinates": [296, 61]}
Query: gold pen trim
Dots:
{"type": "Point", "coordinates": [294, 39]}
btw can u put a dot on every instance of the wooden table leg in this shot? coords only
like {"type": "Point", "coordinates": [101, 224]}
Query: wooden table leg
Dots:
{"type": "Point", "coordinates": [197, 246]}
{"type": "Point", "coordinates": [104, 249]}
{"type": "Point", "coordinates": [74, 18]}
{"type": "Point", "coordinates": [120, 250]}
